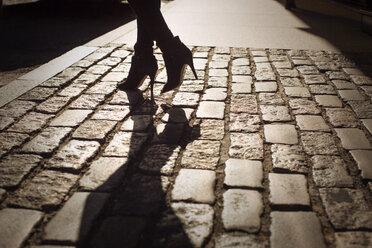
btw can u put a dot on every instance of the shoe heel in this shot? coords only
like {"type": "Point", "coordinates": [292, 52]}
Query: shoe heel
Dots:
{"type": "Point", "coordinates": [152, 78]}
{"type": "Point", "coordinates": [191, 64]}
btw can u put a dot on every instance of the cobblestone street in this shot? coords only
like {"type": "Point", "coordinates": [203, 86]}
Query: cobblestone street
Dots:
{"type": "Point", "coordinates": [268, 148]}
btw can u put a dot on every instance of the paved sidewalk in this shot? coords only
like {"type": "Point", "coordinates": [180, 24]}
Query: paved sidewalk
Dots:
{"type": "Point", "coordinates": [269, 148]}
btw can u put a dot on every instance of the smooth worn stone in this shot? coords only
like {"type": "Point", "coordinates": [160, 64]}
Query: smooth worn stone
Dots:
{"type": "Point", "coordinates": [297, 92]}
{"type": "Point", "coordinates": [246, 146]}
{"type": "Point", "coordinates": [73, 90]}
{"type": "Point", "coordinates": [242, 103]}
{"type": "Point", "coordinates": [137, 123]}
{"type": "Point", "coordinates": [228, 240]}
{"type": "Point", "coordinates": [270, 99]}
{"type": "Point", "coordinates": [221, 57]}
{"type": "Point", "coordinates": [214, 94]}
{"type": "Point", "coordinates": [186, 99]}
{"type": "Point", "coordinates": [87, 102]}
{"type": "Point", "coordinates": [341, 117]}
{"type": "Point", "coordinates": [169, 133]}
{"type": "Point", "coordinates": [160, 159]}
{"type": "Point", "coordinates": [322, 89]}
{"type": "Point", "coordinates": [103, 88]}
{"type": "Point", "coordinates": [45, 191]}
{"type": "Point", "coordinates": [112, 112]}
{"type": "Point", "coordinates": [244, 122]}
{"type": "Point", "coordinates": [47, 140]}
{"type": "Point", "coordinates": [217, 82]}
{"type": "Point", "coordinates": [104, 174]}
{"type": "Point", "coordinates": [194, 185]}
{"type": "Point", "coordinates": [305, 69]}
{"type": "Point", "coordinates": [87, 78]}
{"type": "Point", "coordinates": [218, 72]}
{"type": "Point", "coordinates": [191, 87]}
{"type": "Point", "coordinates": [282, 65]}
{"type": "Point", "coordinates": [240, 62]}
{"type": "Point", "coordinates": [94, 129]}
{"type": "Point", "coordinates": [201, 154]}
{"type": "Point", "coordinates": [361, 80]}
{"type": "Point", "coordinates": [282, 134]}
{"type": "Point", "coordinates": [70, 72]}
{"type": "Point", "coordinates": [367, 90]}
{"type": "Point", "coordinates": [260, 59]}
{"type": "Point", "coordinates": [288, 189]}
{"type": "Point", "coordinates": [5, 122]}
{"type": "Point", "coordinates": [264, 74]}
{"type": "Point", "coordinates": [343, 85]}
{"type": "Point", "coordinates": [208, 129]}
{"type": "Point", "coordinates": [241, 88]}
{"type": "Point", "coordinates": [126, 98]}
{"type": "Point", "coordinates": [303, 106]}
{"type": "Point", "coordinates": [314, 79]}
{"type": "Point", "coordinates": [265, 86]}
{"type": "Point", "coordinates": [336, 75]}
{"type": "Point", "coordinates": [218, 64]}
{"type": "Point", "coordinates": [16, 108]}
{"type": "Point", "coordinates": [53, 105]}
{"type": "Point", "coordinates": [243, 173]}
{"type": "Point", "coordinates": [346, 209]}
{"type": "Point", "coordinates": [363, 109]}
{"type": "Point", "coordinates": [355, 239]}
{"type": "Point", "coordinates": [296, 229]}
{"type": "Point", "coordinates": [368, 124]}
{"type": "Point", "coordinates": [363, 158]}
{"type": "Point", "coordinates": [258, 53]}
{"type": "Point", "coordinates": [16, 225]}
{"type": "Point", "coordinates": [73, 155]}
{"type": "Point", "coordinates": [117, 231]}
{"type": "Point", "coordinates": [72, 223]}
{"type": "Point", "coordinates": [212, 110]}
{"type": "Point", "coordinates": [242, 79]}
{"type": "Point", "coordinates": [196, 219]}
{"type": "Point", "coordinates": [328, 101]}
{"type": "Point", "coordinates": [110, 61]}
{"type": "Point", "coordinates": [240, 70]}
{"type": "Point", "coordinates": [272, 113]}
{"type": "Point", "coordinates": [98, 69]}
{"type": "Point", "coordinates": [201, 64]}
{"type": "Point", "coordinates": [143, 195]}
{"type": "Point", "coordinates": [178, 115]}
{"type": "Point", "coordinates": [311, 123]}
{"type": "Point", "coordinates": [353, 138]}
{"type": "Point", "coordinates": [14, 168]}
{"type": "Point", "coordinates": [120, 53]}
{"type": "Point", "coordinates": [55, 82]}
{"type": "Point", "coordinates": [319, 143]}
{"type": "Point", "coordinates": [9, 141]}
{"type": "Point", "coordinates": [291, 82]}
{"type": "Point", "coordinates": [287, 72]}
{"type": "Point", "coordinates": [114, 77]}
{"type": "Point", "coordinates": [330, 171]}
{"type": "Point", "coordinates": [125, 144]}
{"type": "Point", "coordinates": [31, 122]}
{"type": "Point", "coordinates": [200, 54]}
{"type": "Point", "coordinates": [38, 94]}
{"type": "Point", "coordinates": [351, 95]}
{"type": "Point", "coordinates": [288, 158]}
{"type": "Point", "coordinates": [302, 62]}
{"type": "Point", "coordinates": [71, 118]}
{"type": "Point", "coordinates": [242, 210]}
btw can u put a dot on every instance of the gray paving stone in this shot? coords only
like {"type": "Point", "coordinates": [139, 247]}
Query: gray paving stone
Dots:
{"type": "Point", "coordinates": [264, 74]}
{"type": "Point", "coordinates": [194, 185]}
{"type": "Point", "coordinates": [221, 57]}
{"type": "Point", "coordinates": [16, 108]}
{"type": "Point", "coordinates": [311, 123]}
{"type": "Point", "coordinates": [288, 72]}
{"type": "Point", "coordinates": [208, 129]}
{"type": "Point", "coordinates": [341, 117]}
{"type": "Point", "coordinates": [336, 75]}
{"type": "Point", "coordinates": [266, 86]}
{"type": "Point", "coordinates": [240, 62]}
{"type": "Point", "coordinates": [353, 138]}
{"type": "Point", "coordinates": [126, 98]}
{"type": "Point", "coordinates": [217, 82]}
{"type": "Point", "coordinates": [53, 104]}
{"type": "Point", "coordinates": [306, 69]}
{"type": "Point", "coordinates": [246, 146]}
{"type": "Point", "coordinates": [14, 168]}
{"type": "Point", "coordinates": [227, 240]}
{"type": "Point", "coordinates": [328, 101]}
{"type": "Point", "coordinates": [343, 85]}
{"type": "Point", "coordinates": [94, 129]}
{"type": "Point", "coordinates": [243, 173]}
{"type": "Point", "coordinates": [9, 141]}
{"type": "Point", "coordinates": [2, 194]}
{"type": "Point", "coordinates": [260, 59]}
{"type": "Point", "coordinates": [45, 191]}
{"type": "Point", "coordinates": [73, 155]}
{"type": "Point", "coordinates": [102, 88]}
{"type": "Point", "coordinates": [244, 122]}
{"type": "Point", "coordinates": [282, 134]}
{"type": "Point", "coordinates": [196, 219]}
{"type": "Point", "coordinates": [47, 140]}
{"type": "Point", "coordinates": [242, 210]}
{"type": "Point", "coordinates": [368, 124]}
{"type": "Point", "coordinates": [31, 122]}
{"type": "Point", "coordinates": [5, 122]}
{"type": "Point", "coordinates": [240, 70]}
{"type": "Point", "coordinates": [282, 65]}
{"type": "Point", "coordinates": [346, 209]}
{"type": "Point", "coordinates": [272, 113]}
{"type": "Point", "coordinates": [110, 61]}
{"type": "Point", "coordinates": [112, 112]}
{"type": "Point", "coordinates": [16, 225]}
{"type": "Point", "coordinates": [319, 143]}
{"type": "Point", "coordinates": [303, 106]}
{"type": "Point", "coordinates": [297, 92]}
{"type": "Point", "coordinates": [71, 118]}
{"type": "Point", "coordinates": [363, 109]}
{"type": "Point", "coordinates": [114, 77]}
{"type": "Point", "coordinates": [241, 88]}
{"type": "Point", "coordinates": [137, 123]}
{"type": "Point", "coordinates": [178, 115]}
{"type": "Point", "coordinates": [291, 82]}
{"type": "Point", "coordinates": [353, 71]}
{"type": "Point", "coordinates": [351, 95]}
{"type": "Point", "coordinates": [214, 94]}
{"type": "Point", "coordinates": [72, 223]}
{"type": "Point", "coordinates": [270, 99]}
{"type": "Point", "coordinates": [185, 99]}
{"type": "Point", "coordinates": [295, 229]}
{"type": "Point", "coordinates": [314, 79]}
{"type": "Point", "coordinates": [330, 171]}
{"type": "Point", "coordinates": [288, 158]}
{"type": "Point", "coordinates": [209, 109]}
{"type": "Point", "coordinates": [218, 72]}
{"type": "Point", "coordinates": [73, 90]}
{"type": "Point", "coordinates": [288, 189]}
{"type": "Point", "coordinates": [361, 80]}
{"type": "Point", "coordinates": [87, 78]}
{"type": "Point", "coordinates": [322, 89]}
{"type": "Point", "coordinates": [98, 69]}
{"type": "Point", "coordinates": [160, 159]}
{"type": "Point", "coordinates": [363, 159]}
{"type": "Point", "coordinates": [87, 102]}
{"type": "Point", "coordinates": [353, 239]}
{"type": "Point", "coordinates": [242, 79]}
{"type": "Point", "coordinates": [125, 144]}
{"type": "Point", "coordinates": [191, 87]}
{"type": "Point", "coordinates": [327, 66]}
{"type": "Point", "coordinates": [302, 62]}
{"type": "Point", "coordinates": [38, 94]}
{"type": "Point", "coordinates": [242, 103]}
{"type": "Point", "coordinates": [169, 133]}
{"type": "Point", "coordinates": [258, 53]}
{"type": "Point", "coordinates": [104, 174]}
{"type": "Point", "coordinates": [55, 81]}
{"type": "Point", "coordinates": [201, 154]}
{"type": "Point", "coordinates": [120, 53]}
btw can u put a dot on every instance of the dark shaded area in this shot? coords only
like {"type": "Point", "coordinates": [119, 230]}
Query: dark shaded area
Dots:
{"type": "Point", "coordinates": [35, 33]}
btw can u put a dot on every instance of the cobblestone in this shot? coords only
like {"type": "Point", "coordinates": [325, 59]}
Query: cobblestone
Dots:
{"type": "Point", "coordinates": [73, 90]}
{"type": "Point", "coordinates": [112, 112]}
{"type": "Point", "coordinates": [322, 89]}
{"type": "Point", "coordinates": [16, 108]}
{"type": "Point", "coordinates": [243, 173]}
{"type": "Point", "coordinates": [270, 99]}
{"type": "Point", "coordinates": [186, 99]}
{"type": "Point", "coordinates": [291, 82]}
{"type": "Point", "coordinates": [297, 92]}
{"type": "Point", "coordinates": [125, 144]}
{"type": "Point", "coordinates": [137, 123]}
{"type": "Point", "coordinates": [214, 94]}
{"type": "Point", "coordinates": [212, 110]}
{"type": "Point", "coordinates": [353, 239]}
{"type": "Point", "coordinates": [93, 129]}
{"type": "Point", "coordinates": [238, 240]}
{"type": "Point", "coordinates": [303, 106]}
{"type": "Point", "coordinates": [368, 124]}
{"type": "Point", "coordinates": [241, 103]}
{"type": "Point", "coordinates": [282, 134]}
{"type": "Point", "coordinates": [209, 129]}
{"type": "Point", "coordinates": [343, 85]}
{"type": "Point", "coordinates": [361, 80]}
{"type": "Point", "coordinates": [318, 143]}
{"type": "Point", "coordinates": [244, 122]}
{"type": "Point", "coordinates": [341, 117]}
{"type": "Point", "coordinates": [53, 104]}
{"type": "Point", "coordinates": [363, 159]}
{"type": "Point", "coordinates": [9, 141]}
{"type": "Point", "coordinates": [31, 122]}
{"type": "Point", "coordinates": [246, 146]}
{"type": "Point", "coordinates": [311, 123]}
{"type": "Point", "coordinates": [5, 122]}
{"type": "Point", "coordinates": [272, 113]}
{"type": "Point", "coordinates": [87, 102]}
{"type": "Point", "coordinates": [289, 158]}
{"type": "Point", "coordinates": [353, 138]}
{"type": "Point", "coordinates": [266, 86]}
{"type": "Point", "coordinates": [201, 154]}
{"type": "Point", "coordinates": [351, 95]}
{"type": "Point", "coordinates": [38, 94]}
{"type": "Point", "coordinates": [328, 101]}
{"type": "Point", "coordinates": [71, 118]}
{"type": "Point", "coordinates": [217, 82]}
{"type": "Point", "coordinates": [160, 159]}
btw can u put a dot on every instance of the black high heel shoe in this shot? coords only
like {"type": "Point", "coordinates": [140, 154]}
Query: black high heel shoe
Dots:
{"type": "Point", "coordinates": [176, 57]}
{"type": "Point", "coordinates": [141, 67]}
